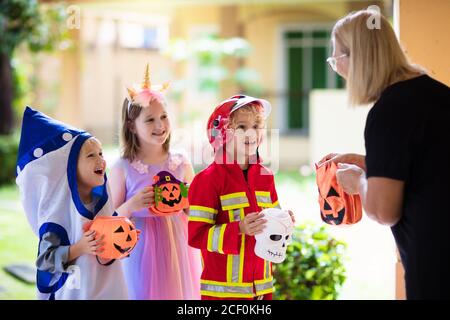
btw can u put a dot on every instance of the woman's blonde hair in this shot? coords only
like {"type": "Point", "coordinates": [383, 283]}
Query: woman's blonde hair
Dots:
{"type": "Point", "coordinates": [376, 59]}
{"type": "Point", "coordinates": [128, 139]}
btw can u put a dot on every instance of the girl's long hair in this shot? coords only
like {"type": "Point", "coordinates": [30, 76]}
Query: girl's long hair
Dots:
{"type": "Point", "coordinates": [128, 139]}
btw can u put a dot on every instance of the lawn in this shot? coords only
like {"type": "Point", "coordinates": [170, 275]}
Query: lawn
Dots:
{"type": "Point", "coordinates": [18, 244]}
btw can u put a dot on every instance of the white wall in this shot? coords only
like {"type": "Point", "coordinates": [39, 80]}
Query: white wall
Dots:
{"type": "Point", "coordinates": [334, 126]}
{"type": "Point", "coordinates": [294, 151]}
{"type": "Point", "coordinates": [370, 264]}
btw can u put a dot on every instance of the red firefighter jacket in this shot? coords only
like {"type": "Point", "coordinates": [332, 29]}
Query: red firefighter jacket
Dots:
{"type": "Point", "coordinates": [219, 198]}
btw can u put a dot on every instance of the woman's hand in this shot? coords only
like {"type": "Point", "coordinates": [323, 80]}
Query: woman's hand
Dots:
{"type": "Point", "coordinates": [351, 158]}
{"type": "Point", "coordinates": [348, 177]}
{"type": "Point", "coordinates": [252, 224]}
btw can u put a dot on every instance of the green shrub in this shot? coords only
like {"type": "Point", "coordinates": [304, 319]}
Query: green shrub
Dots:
{"type": "Point", "coordinates": [313, 269]}
{"type": "Point", "coordinates": [9, 147]}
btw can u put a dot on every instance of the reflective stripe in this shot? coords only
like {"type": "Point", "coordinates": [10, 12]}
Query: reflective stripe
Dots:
{"type": "Point", "coordinates": [237, 214]}
{"type": "Point", "coordinates": [233, 195]}
{"type": "Point", "coordinates": [234, 201]}
{"type": "Point", "coordinates": [241, 253]}
{"type": "Point", "coordinates": [229, 267]}
{"type": "Point", "coordinates": [226, 294]}
{"type": "Point", "coordinates": [233, 260]}
{"type": "Point", "coordinates": [276, 205]}
{"type": "Point", "coordinates": [221, 283]}
{"type": "Point", "coordinates": [264, 202]}
{"type": "Point", "coordinates": [263, 199]}
{"type": "Point", "coordinates": [266, 269]}
{"type": "Point", "coordinates": [234, 215]}
{"type": "Point", "coordinates": [262, 193]}
{"type": "Point", "coordinates": [263, 292]}
{"type": "Point", "coordinates": [215, 238]}
{"type": "Point", "coordinates": [225, 289]}
{"type": "Point", "coordinates": [236, 262]}
{"type": "Point", "coordinates": [201, 208]}
{"type": "Point", "coordinates": [233, 268]}
{"type": "Point", "coordinates": [210, 239]}
{"type": "Point", "coordinates": [202, 214]}
{"type": "Point", "coordinates": [200, 219]}
{"type": "Point", "coordinates": [241, 214]}
{"type": "Point", "coordinates": [264, 281]}
{"type": "Point", "coordinates": [221, 235]}
{"type": "Point", "coordinates": [264, 286]}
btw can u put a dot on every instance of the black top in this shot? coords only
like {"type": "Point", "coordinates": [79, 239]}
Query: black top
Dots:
{"type": "Point", "coordinates": [407, 138]}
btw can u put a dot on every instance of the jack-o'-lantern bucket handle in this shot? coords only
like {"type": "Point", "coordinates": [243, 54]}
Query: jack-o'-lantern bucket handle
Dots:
{"type": "Point", "coordinates": [110, 262]}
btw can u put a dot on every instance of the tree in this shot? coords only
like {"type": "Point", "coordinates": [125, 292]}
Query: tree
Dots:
{"type": "Point", "coordinates": [210, 53]}
{"type": "Point", "coordinates": [23, 21]}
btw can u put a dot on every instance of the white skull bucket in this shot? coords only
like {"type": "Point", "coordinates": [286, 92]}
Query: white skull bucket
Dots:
{"type": "Point", "coordinates": [271, 244]}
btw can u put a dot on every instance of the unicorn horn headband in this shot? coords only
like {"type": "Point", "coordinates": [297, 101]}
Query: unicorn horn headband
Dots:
{"type": "Point", "coordinates": [144, 94]}
{"type": "Point", "coordinates": [147, 84]}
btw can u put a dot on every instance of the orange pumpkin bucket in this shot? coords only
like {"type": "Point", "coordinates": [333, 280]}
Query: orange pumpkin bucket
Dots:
{"type": "Point", "coordinates": [120, 236]}
{"type": "Point", "coordinates": [336, 206]}
{"type": "Point", "coordinates": [171, 195]}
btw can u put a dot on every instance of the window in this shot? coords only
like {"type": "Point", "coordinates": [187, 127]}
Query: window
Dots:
{"type": "Point", "coordinates": [306, 69]}
{"type": "Point", "coordinates": [138, 36]}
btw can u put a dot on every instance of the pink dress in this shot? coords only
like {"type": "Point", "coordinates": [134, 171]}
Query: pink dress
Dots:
{"type": "Point", "coordinates": [162, 266]}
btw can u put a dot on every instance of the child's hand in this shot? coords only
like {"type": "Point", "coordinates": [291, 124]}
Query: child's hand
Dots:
{"type": "Point", "coordinates": [86, 245]}
{"type": "Point", "coordinates": [89, 245]}
{"type": "Point", "coordinates": [87, 225]}
{"type": "Point", "coordinates": [252, 224]}
{"type": "Point", "coordinates": [292, 216]}
{"type": "Point", "coordinates": [138, 232]}
{"type": "Point", "coordinates": [143, 199]}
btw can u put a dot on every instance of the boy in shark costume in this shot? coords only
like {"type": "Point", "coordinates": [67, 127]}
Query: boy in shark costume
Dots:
{"type": "Point", "coordinates": [48, 176]}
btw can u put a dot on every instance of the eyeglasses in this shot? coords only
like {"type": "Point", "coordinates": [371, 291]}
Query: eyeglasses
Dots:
{"type": "Point", "coordinates": [332, 61]}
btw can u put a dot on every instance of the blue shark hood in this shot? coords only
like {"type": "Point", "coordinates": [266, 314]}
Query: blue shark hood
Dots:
{"type": "Point", "coordinates": [47, 180]}
{"type": "Point", "coordinates": [47, 169]}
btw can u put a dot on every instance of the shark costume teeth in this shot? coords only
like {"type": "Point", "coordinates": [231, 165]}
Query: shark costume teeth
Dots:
{"type": "Point", "coordinates": [47, 180]}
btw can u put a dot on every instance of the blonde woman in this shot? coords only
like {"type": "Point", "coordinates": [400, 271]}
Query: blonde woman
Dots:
{"type": "Point", "coordinates": [404, 179]}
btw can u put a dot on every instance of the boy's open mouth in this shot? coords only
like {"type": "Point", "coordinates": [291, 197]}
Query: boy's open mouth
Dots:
{"type": "Point", "coordinates": [99, 171]}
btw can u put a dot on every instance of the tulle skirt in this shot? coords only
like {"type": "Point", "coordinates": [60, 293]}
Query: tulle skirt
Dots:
{"type": "Point", "coordinates": [162, 266]}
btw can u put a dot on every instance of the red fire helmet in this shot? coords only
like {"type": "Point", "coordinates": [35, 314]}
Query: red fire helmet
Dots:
{"type": "Point", "coordinates": [218, 120]}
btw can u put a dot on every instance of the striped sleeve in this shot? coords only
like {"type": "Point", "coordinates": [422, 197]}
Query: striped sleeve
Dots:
{"type": "Point", "coordinates": [203, 231]}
